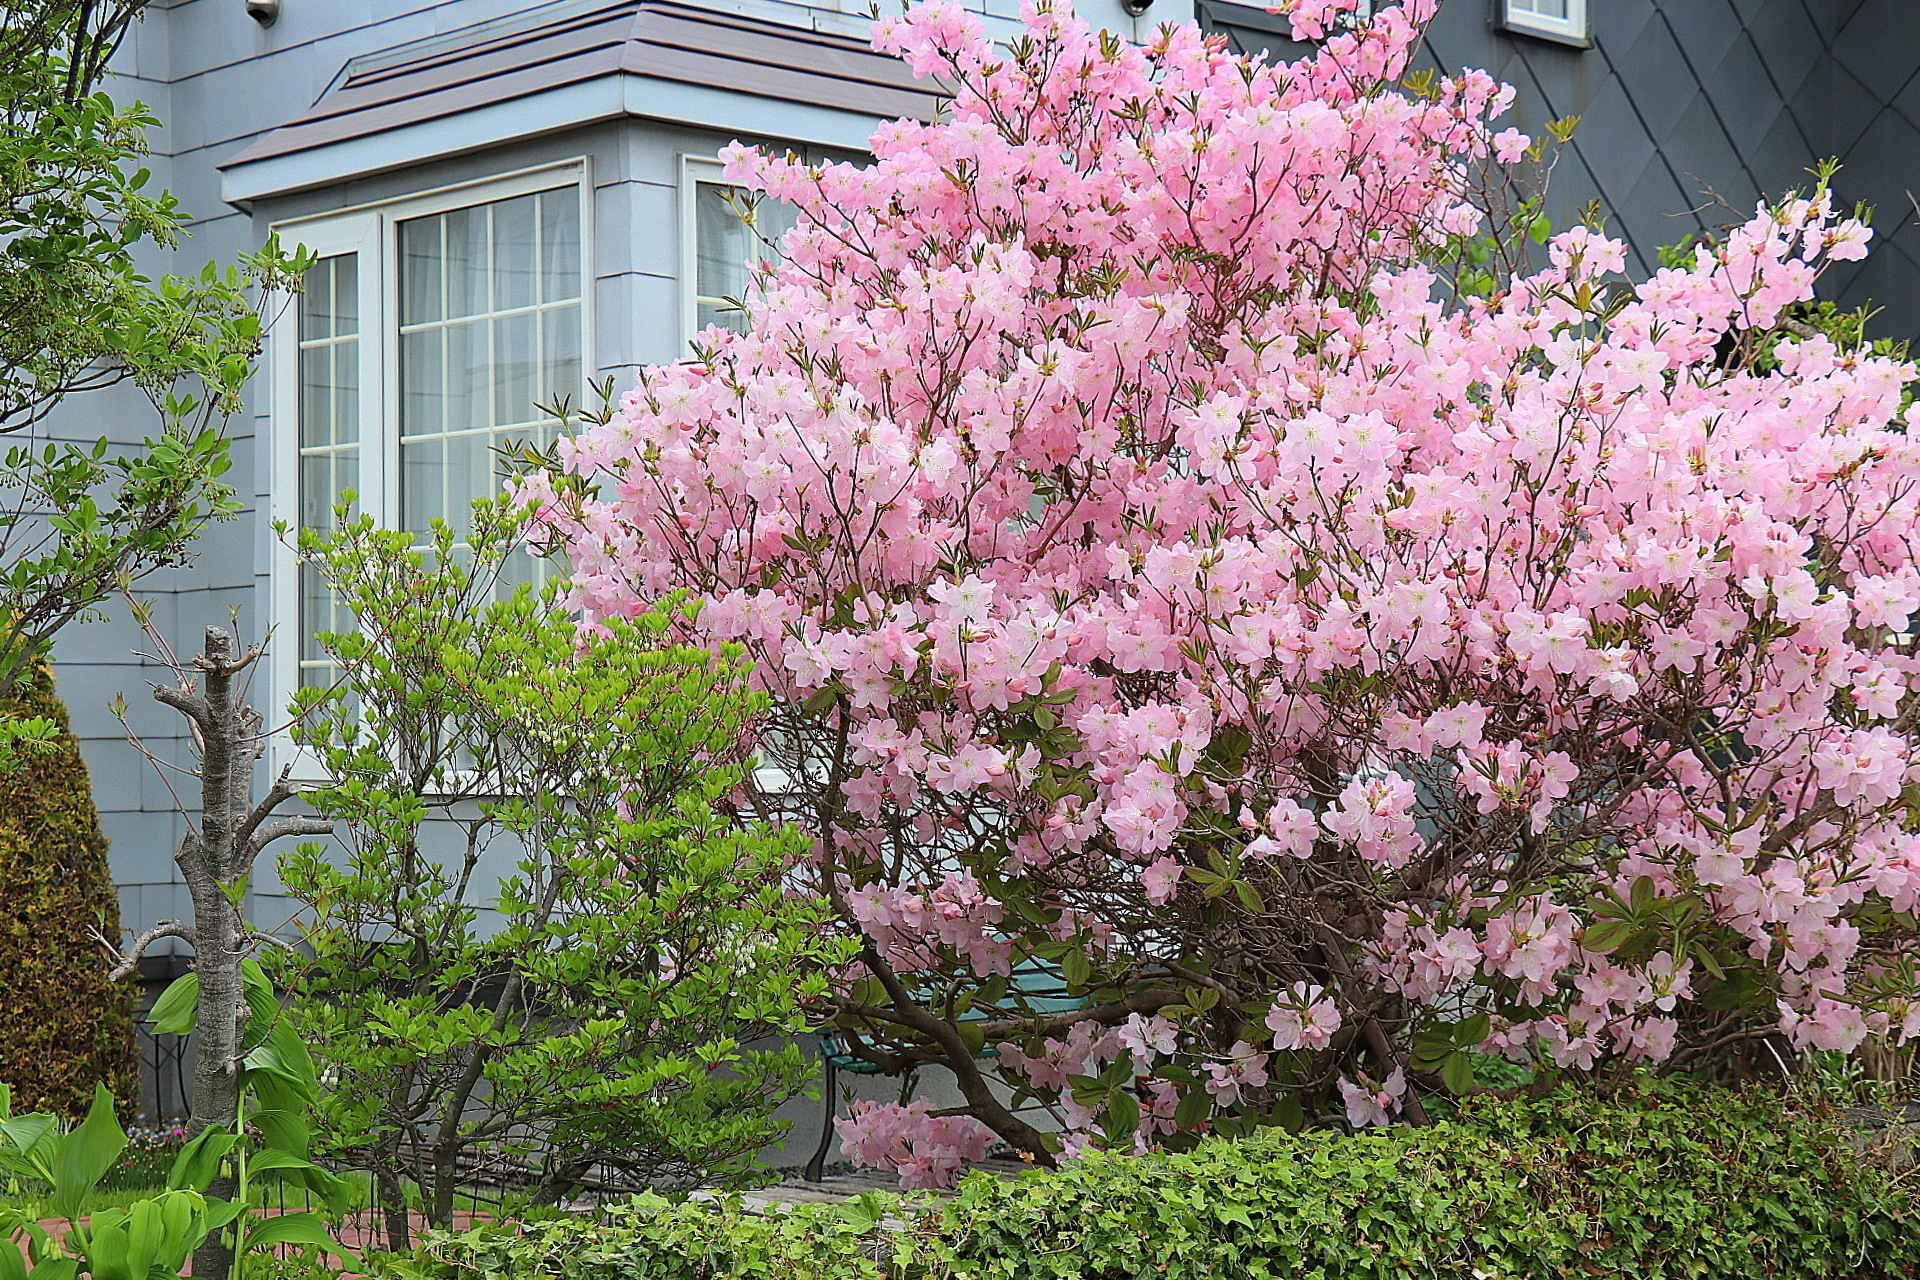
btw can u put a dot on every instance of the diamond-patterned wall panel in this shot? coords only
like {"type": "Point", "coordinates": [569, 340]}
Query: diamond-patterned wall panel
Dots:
{"type": "Point", "coordinates": [1691, 110]}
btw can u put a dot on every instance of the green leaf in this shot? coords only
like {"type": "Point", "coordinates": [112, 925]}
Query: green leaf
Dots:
{"type": "Point", "coordinates": [199, 1161]}
{"type": "Point", "coordinates": [107, 1253]}
{"type": "Point", "coordinates": [56, 1269]}
{"type": "Point", "coordinates": [972, 1037]}
{"type": "Point", "coordinates": [178, 1006]}
{"type": "Point", "coordinates": [272, 1158]}
{"type": "Point", "coordinates": [263, 1005]}
{"type": "Point", "coordinates": [1643, 894]}
{"type": "Point", "coordinates": [85, 1155]}
{"type": "Point", "coordinates": [1606, 936]}
{"type": "Point", "coordinates": [1122, 1116]}
{"type": "Point", "coordinates": [1456, 1072]}
{"type": "Point", "coordinates": [220, 1213]}
{"type": "Point", "coordinates": [1195, 1105]}
{"type": "Point", "coordinates": [293, 1228]}
{"type": "Point", "coordinates": [864, 1213]}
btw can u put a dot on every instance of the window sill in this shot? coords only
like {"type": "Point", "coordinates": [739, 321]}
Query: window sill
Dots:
{"type": "Point", "coordinates": [1565, 40]}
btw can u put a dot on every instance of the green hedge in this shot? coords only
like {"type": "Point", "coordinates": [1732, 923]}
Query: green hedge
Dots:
{"type": "Point", "coordinates": [1668, 1181]}
{"type": "Point", "coordinates": [63, 1027]}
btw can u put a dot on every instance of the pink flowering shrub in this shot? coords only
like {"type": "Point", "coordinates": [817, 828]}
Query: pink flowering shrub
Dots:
{"type": "Point", "coordinates": [1233, 675]}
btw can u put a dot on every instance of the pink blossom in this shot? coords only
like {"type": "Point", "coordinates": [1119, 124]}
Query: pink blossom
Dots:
{"type": "Point", "coordinates": [1160, 879]}
{"type": "Point", "coordinates": [927, 1151]}
{"type": "Point", "coordinates": [1369, 1103]}
{"type": "Point", "coordinates": [1510, 145]}
{"type": "Point", "coordinates": [1148, 1036]}
{"type": "Point", "coordinates": [1303, 1017]}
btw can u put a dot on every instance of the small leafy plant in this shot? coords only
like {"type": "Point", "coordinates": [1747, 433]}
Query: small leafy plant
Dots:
{"type": "Point", "coordinates": [56, 1171]}
{"type": "Point", "coordinates": [56, 1168]}
{"type": "Point", "coordinates": [279, 1085]}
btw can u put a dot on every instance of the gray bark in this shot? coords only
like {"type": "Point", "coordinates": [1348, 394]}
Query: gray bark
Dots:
{"type": "Point", "coordinates": [216, 859]}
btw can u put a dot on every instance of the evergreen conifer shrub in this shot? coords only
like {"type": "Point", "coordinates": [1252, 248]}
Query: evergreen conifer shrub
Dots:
{"type": "Point", "coordinates": [63, 1026]}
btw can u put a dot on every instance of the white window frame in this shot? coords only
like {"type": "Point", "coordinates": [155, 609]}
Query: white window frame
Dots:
{"type": "Point", "coordinates": [1572, 29]}
{"type": "Point", "coordinates": [694, 169]}
{"type": "Point", "coordinates": [372, 231]}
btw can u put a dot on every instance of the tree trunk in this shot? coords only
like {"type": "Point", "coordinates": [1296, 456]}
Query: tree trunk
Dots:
{"type": "Point", "coordinates": [393, 1212]}
{"type": "Point", "coordinates": [207, 857]}
{"type": "Point", "coordinates": [216, 858]}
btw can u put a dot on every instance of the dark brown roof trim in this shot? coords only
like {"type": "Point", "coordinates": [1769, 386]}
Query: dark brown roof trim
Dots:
{"type": "Point", "coordinates": [573, 42]}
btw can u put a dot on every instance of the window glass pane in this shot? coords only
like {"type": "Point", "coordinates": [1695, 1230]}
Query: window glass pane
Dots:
{"type": "Point", "coordinates": [421, 257]}
{"type": "Point", "coordinates": [559, 245]}
{"type": "Point", "coordinates": [423, 388]}
{"type": "Point", "coordinates": [516, 360]}
{"type": "Point", "coordinates": [1556, 9]}
{"type": "Point", "coordinates": [463, 262]}
{"type": "Point", "coordinates": [329, 435]}
{"type": "Point", "coordinates": [514, 253]}
{"type": "Point", "coordinates": [474, 362]}
{"type": "Point", "coordinates": [724, 245]}
{"type": "Point", "coordinates": [560, 359]}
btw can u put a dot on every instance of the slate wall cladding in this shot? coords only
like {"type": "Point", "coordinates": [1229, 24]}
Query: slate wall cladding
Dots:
{"type": "Point", "coordinates": [1694, 110]}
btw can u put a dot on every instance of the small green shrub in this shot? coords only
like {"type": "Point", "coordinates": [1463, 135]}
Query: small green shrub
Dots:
{"type": "Point", "coordinates": [1662, 1182]}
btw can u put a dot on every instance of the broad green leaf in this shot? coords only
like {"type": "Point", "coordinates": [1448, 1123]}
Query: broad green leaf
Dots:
{"type": "Point", "coordinates": [1606, 936]}
{"type": "Point", "coordinates": [1122, 1117]}
{"type": "Point", "coordinates": [263, 1005]}
{"type": "Point", "coordinates": [146, 1229]}
{"type": "Point", "coordinates": [178, 1006]}
{"type": "Point", "coordinates": [1195, 1105]}
{"type": "Point", "coordinates": [85, 1155]}
{"type": "Point", "coordinates": [271, 1159]}
{"type": "Point", "coordinates": [199, 1161]}
{"type": "Point", "coordinates": [293, 1228]}
{"type": "Point", "coordinates": [1457, 1072]}
{"type": "Point", "coordinates": [32, 1137]}
{"type": "Point", "coordinates": [107, 1253]}
{"type": "Point", "coordinates": [1643, 894]}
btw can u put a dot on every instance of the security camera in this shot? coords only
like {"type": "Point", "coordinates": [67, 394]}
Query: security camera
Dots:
{"type": "Point", "coordinates": [263, 11]}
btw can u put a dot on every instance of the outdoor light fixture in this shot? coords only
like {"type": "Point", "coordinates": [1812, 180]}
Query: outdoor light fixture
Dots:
{"type": "Point", "coordinates": [263, 11]}
{"type": "Point", "coordinates": [1135, 8]}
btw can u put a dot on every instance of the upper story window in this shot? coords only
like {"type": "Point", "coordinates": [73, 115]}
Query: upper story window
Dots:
{"type": "Point", "coordinates": [428, 333]}
{"type": "Point", "coordinates": [1555, 19]}
{"type": "Point", "coordinates": [720, 244]}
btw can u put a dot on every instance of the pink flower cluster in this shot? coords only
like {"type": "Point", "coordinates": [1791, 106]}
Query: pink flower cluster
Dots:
{"type": "Point", "coordinates": [925, 1149]}
{"type": "Point", "coordinates": [1135, 529]}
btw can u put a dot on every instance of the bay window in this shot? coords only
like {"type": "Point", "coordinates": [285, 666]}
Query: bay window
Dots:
{"type": "Point", "coordinates": [428, 333]}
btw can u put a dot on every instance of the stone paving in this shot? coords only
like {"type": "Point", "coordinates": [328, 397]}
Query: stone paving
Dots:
{"type": "Point", "coordinates": [842, 1185]}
